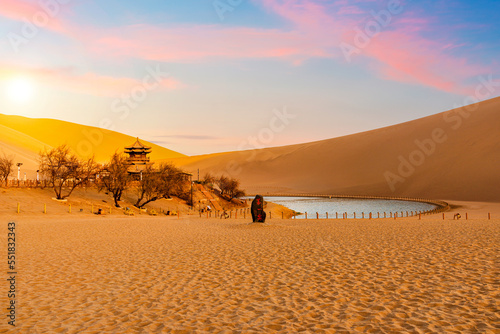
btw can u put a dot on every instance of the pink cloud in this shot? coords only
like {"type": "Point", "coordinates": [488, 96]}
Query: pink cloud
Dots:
{"type": "Point", "coordinates": [350, 10]}
{"type": "Point", "coordinates": [33, 13]}
{"type": "Point", "coordinates": [187, 44]}
{"type": "Point", "coordinates": [399, 50]}
{"type": "Point", "coordinates": [314, 34]}
{"type": "Point", "coordinates": [89, 83]}
{"type": "Point", "coordinates": [411, 59]}
{"type": "Point", "coordinates": [402, 54]}
{"type": "Point", "coordinates": [95, 84]}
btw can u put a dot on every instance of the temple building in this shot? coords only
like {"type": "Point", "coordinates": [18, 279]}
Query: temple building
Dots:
{"type": "Point", "coordinates": [138, 157]}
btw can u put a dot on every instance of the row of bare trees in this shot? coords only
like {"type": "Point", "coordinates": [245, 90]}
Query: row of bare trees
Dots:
{"type": "Point", "coordinates": [64, 171]}
{"type": "Point", "coordinates": [229, 187]}
{"type": "Point", "coordinates": [155, 183]}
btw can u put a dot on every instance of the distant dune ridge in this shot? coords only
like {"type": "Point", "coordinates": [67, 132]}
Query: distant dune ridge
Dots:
{"type": "Point", "coordinates": [451, 155]}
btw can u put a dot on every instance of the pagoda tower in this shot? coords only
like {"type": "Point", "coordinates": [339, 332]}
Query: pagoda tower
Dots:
{"type": "Point", "coordinates": [138, 157]}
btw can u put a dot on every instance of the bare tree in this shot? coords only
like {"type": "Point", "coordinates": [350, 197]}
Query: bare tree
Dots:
{"type": "Point", "coordinates": [229, 187]}
{"type": "Point", "coordinates": [208, 180]}
{"type": "Point", "coordinates": [62, 168]}
{"type": "Point", "coordinates": [164, 182]}
{"type": "Point", "coordinates": [6, 166]}
{"type": "Point", "coordinates": [114, 177]}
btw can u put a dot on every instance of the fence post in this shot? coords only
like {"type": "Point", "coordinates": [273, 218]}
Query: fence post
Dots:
{"type": "Point", "coordinates": [327, 215]}
{"type": "Point", "coordinates": [354, 215]}
{"type": "Point", "coordinates": [306, 214]}
{"type": "Point", "coordinates": [489, 216]}
{"type": "Point", "coordinates": [466, 216]}
{"type": "Point", "coordinates": [443, 215]}
{"type": "Point", "coordinates": [370, 215]}
{"type": "Point", "coordinates": [236, 214]}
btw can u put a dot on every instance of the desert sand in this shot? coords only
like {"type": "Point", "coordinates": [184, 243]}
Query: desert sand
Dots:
{"type": "Point", "coordinates": [83, 273]}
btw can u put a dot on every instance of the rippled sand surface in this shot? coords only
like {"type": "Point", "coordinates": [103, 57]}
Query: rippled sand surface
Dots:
{"type": "Point", "coordinates": [161, 275]}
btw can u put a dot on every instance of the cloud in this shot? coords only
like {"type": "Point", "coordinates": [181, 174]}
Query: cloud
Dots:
{"type": "Point", "coordinates": [190, 137]}
{"type": "Point", "coordinates": [400, 51]}
{"type": "Point", "coordinates": [408, 58]}
{"type": "Point", "coordinates": [43, 14]}
{"type": "Point", "coordinates": [196, 43]}
{"type": "Point", "coordinates": [86, 83]}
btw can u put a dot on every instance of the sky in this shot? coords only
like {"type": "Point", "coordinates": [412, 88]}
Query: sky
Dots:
{"type": "Point", "coordinates": [211, 76]}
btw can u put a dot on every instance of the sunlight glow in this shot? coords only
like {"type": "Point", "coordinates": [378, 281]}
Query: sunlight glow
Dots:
{"type": "Point", "coordinates": [20, 90]}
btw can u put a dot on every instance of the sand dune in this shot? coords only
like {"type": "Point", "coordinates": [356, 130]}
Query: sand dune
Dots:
{"type": "Point", "coordinates": [25, 137]}
{"type": "Point", "coordinates": [20, 146]}
{"type": "Point", "coordinates": [451, 155]}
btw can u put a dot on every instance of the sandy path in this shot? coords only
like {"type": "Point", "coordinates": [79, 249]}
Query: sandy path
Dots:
{"type": "Point", "coordinates": [159, 275]}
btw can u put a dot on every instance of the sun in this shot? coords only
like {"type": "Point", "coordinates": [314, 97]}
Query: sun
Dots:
{"type": "Point", "coordinates": [20, 90]}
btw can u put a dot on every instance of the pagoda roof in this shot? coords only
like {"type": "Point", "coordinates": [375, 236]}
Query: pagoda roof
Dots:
{"type": "Point", "coordinates": [138, 146]}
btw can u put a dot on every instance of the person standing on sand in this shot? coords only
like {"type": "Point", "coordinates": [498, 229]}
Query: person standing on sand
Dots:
{"type": "Point", "coordinates": [257, 209]}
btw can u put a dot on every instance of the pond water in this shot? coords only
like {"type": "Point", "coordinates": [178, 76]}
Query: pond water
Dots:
{"type": "Point", "coordinates": [322, 205]}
